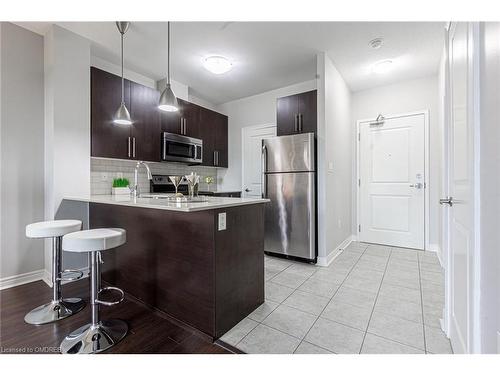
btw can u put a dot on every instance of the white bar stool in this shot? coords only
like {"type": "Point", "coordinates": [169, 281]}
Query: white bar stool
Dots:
{"type": "Point", "coordinates": [99, 335]}
{"type": "Point", "coordinates": [58, 308]}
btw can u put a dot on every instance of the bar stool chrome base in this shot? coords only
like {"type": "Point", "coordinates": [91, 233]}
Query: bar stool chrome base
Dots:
{"type": "Point", "coordinates": [90, 339]}
{"type": "Point", "coordinates": [54, 311]}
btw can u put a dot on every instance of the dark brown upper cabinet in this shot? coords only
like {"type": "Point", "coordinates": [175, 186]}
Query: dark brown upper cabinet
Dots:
{"type": "Point", "coordinates": [142, 139]}
{"type": "Point", "coordinates": [297, 113]}
{"type": "Point", "coordinates": [145, 116]}
{"type": "Point", "coordinates": [214, 132]}
{"type": "Point", "coordinates": [108, 139]}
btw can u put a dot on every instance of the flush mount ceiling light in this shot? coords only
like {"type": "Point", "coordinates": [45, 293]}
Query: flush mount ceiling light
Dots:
{"type": "Point", "coordinates": [122, 115]}
{"type": "Point", "coordinates": [168, 101]}
{"type": "Point", "coordinates": [382, 67]}
{"type": "Point", "coordinates": [217, 64]}
{"type": "Point", "coordinates": [376, 43]}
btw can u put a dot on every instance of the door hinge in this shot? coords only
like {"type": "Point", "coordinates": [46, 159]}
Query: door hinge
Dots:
{"type": "Point", "coordinates": [359, 228]}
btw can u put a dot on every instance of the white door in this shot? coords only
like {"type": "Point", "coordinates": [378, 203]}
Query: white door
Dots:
{"type": "Point", "coordinates": [461, 189]}
{"type": "Point", "coordinates": [392, 181]}
{"type": "Point", "coordinates": [251, 149]}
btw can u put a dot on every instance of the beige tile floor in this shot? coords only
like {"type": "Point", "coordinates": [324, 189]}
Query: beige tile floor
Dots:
{"type": "Point", "coordinates": [371, 299]}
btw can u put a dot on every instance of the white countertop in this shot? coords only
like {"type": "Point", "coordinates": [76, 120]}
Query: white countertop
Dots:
{"type": "Point", "coordinates": [210, 202]}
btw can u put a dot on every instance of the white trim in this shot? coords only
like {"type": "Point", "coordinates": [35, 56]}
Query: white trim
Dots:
{"type": "Point", "coordinates": [325, 261]}
{"type": "Point", "coordinates": [425, 113]}
{"type": "Point", "coordinates": [24, 278]}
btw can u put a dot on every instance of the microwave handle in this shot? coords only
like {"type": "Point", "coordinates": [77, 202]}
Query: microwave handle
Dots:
{"type": "Point", "coordinates": [164, 148]}
{"type": "Point", "coordinates": [195, 152]}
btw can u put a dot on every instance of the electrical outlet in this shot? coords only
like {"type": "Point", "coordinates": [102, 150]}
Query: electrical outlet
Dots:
{"type": "Point", "coordinates": [104, 176]}
{"type": "Point", "coordinates": [222, 221]}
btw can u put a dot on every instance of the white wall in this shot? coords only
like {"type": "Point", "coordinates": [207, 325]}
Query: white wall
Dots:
{"type": "Point", "coordinates": [21, 150]}
{"type": "Point", "coordinates": [403, 97]}
{"type": "Point", "coordinates": [67, 121]}
{"type": "Point", "coordinates": [253, 110]}
{"type": "Point", "coordinates": [334, 140]}
{"type": "Point", "coordinates": [489, 47]}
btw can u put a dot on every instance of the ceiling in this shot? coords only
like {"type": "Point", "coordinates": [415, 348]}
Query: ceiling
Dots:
{"type": "Point", "coordinates": [267, 55]}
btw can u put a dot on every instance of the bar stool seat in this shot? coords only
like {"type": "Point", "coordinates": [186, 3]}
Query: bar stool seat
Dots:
{"type": "Point", "coordinates": [94, 240]}
{"type": "Point", "coordinates": [99, 335]}
{"type": "Point", "coordinates": [59, 308]}
{"type": "Point", "coordinates": [54, 228]}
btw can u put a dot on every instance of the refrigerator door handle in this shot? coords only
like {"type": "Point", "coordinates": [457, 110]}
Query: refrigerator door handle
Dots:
{"type": "Point", "coordinates": [264, 169]}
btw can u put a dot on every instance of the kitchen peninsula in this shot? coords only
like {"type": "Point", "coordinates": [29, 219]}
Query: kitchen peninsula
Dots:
{"type": "Point", "coordinates": [202, 262]}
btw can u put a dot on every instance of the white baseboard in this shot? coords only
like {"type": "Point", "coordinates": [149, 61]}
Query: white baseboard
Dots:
{"type": "Point", "coordinates": [24, 278]}
{"type": "Point", "coordinates": [498, 342]}
{"type": "Point", "coordinates": [325, 261]}
{"type": "Point", "coordinates": [436, 249]}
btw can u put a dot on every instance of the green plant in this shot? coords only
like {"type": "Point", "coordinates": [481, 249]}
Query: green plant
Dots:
{"type": "Point", "coordinates": [120, 182]}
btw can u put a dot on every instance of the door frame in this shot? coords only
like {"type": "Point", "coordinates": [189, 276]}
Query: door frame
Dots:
{"type": "Point", "coordinates": [425, 113]}
{"type": "Point", "coordinates": [244, 131]}
{"type": "Point", "coordinates": [473, 344]}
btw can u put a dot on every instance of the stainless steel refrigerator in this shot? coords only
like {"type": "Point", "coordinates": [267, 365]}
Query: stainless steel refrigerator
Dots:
{"type": "Point", "coordinates": [289, 181]}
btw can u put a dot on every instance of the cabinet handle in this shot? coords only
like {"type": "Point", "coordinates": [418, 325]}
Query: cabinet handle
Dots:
{"type": "Point", "coordinates": [296, 125]}
{"type": "Point", "coordinates": [182, 125]}
{"type": "Point", "coordinates": [133, 147]}
{"type": "Point", "coordinates": [301, 120]}
{"type": "Point", "coordinates": [215, 158]}
{"type": "Point", "coordinates": [128, 148]}
{"type": "Point", "coordinates": [185, 127]}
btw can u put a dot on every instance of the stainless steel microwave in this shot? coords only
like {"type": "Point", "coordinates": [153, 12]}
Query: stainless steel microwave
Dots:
{"type": "Point", "coordinates": [180, 148]}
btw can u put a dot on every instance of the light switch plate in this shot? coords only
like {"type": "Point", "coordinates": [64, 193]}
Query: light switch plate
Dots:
{"type": "Point", "coordinates": [222, 221]}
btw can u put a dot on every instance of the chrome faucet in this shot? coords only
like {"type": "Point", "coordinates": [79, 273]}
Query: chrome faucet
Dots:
{"type": "Point", "coordinates": [134, 191]}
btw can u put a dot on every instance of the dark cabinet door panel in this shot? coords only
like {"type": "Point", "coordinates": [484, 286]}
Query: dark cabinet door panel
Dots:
{"type": "Point", "coordinates": [287, 109]}
{"type": "Point", "coordinates": [297, 113]}
{"type": "Point", "coordinates": [308, 112]}
{"type": "Point", "coordinates": [207, 134]}
{"type": "Point", "coordinates": [108, 139]}
{"type": "Point", "coordinates": [221, 140]}
{"type": "Point", "coordinates": [146, 123]}
{"type": "Point", "coordinates": [191, 119]}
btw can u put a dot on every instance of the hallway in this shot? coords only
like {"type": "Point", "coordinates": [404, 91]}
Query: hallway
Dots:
{"type": "Point", "coordinates": [370, 299]}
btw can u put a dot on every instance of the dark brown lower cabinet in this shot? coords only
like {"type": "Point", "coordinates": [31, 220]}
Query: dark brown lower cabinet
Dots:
{"type": "Point", "coordinates": [178, 262]}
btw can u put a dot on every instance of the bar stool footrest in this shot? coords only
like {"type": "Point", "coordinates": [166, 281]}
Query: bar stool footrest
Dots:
{"type": "Point", "coordinates": [62, 277]}
{"type": "Point", "coordinates": [110, 303]}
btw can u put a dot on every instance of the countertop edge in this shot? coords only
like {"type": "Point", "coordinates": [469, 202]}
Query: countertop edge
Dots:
{"type": "Point", "coordinates": [213, 206]}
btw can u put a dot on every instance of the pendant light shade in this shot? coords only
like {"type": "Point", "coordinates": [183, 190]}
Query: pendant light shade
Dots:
{"type": "Point", "coordinates": [122, 115]}
{"type": "Point", "coordinates": [168, 101]}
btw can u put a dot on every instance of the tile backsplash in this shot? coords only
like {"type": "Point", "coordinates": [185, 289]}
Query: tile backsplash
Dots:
{"type": "Point", "coordinates": [103, 171]}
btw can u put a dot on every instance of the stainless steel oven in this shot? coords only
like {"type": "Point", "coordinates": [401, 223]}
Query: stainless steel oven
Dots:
{"type": "Point", "coordinates": [180, 148]}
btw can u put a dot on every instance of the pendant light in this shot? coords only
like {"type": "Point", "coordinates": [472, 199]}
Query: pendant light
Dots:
{"type": "Point", "coordinates": [168, 101]}
{"type": "Point", "coordinates": [122, 115]}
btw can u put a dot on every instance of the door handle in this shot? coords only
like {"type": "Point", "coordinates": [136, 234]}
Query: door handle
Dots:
{"type": "Point", "coordinates": [447, 200]}
{"type": "Point", "coordinates": [418, 185]}
{"type": "Point", "coordinates": [248, 190]}
{"type": "Point", "coordinates": [264, 168]}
